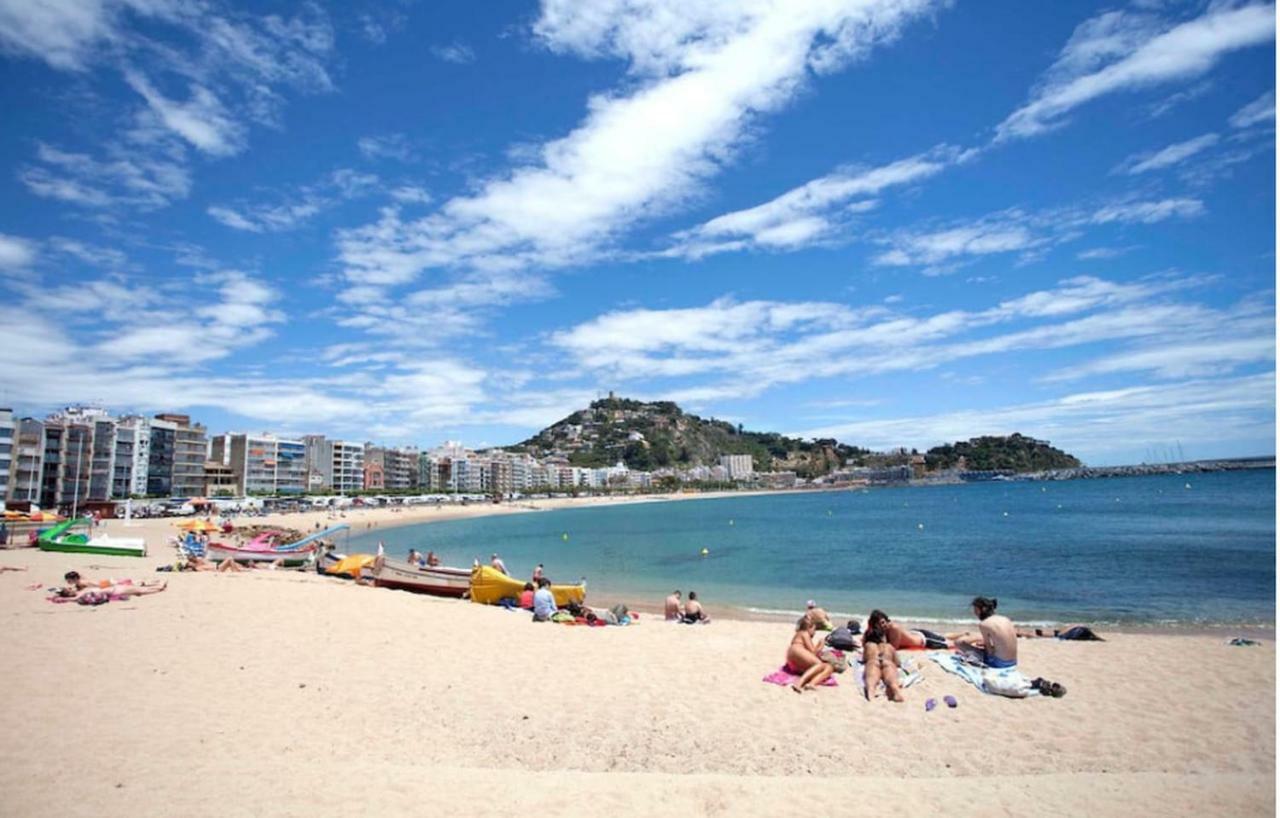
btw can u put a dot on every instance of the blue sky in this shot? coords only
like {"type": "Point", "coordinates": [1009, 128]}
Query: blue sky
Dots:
{"type": "Point", "coordinates": [895, 223]}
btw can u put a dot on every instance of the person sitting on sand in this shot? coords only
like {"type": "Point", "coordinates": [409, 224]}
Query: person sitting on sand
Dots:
{"type": "Point", "coordinates": [693, 613]}
{"type": "Point", "coordinates": [820, 619]}
{"type": "Point", "coordinates": [671, 607]}
{"type": "Point", "coordinates": [498, 564]}
{"type": "Point", "coordinates": [997, 642]}
{"type": "Point", "coordinates": [803, 659]}
{"type": "Point", "coordinates": [544, 602]}
{"type": "Point", "coordinates": [526, 597]}
{"type": "Point", "coordinates": [880, 663]}
{"type": "Point", "coordinates": [904, 639]}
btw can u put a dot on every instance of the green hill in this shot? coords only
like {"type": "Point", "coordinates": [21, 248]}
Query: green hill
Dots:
{"type": "Point", "coordinates": [656, 435]}
{"type": "Point", "coordinates": [1015, 453]}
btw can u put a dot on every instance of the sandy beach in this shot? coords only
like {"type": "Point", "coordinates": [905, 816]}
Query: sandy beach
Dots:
{"type": "Point", "coordinates": [285, 693]}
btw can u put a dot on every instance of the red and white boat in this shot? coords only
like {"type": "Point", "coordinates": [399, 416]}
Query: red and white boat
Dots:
{"type": "Point", "coordinates": [294, 557]}
{"type": "Point", "coordinates": [438, 581]}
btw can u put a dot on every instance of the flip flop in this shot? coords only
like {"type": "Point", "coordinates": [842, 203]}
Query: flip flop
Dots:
{"type": "Point", "coordinates": [930, 704]}
{"type": "Point", "coordinates": [950, 700]}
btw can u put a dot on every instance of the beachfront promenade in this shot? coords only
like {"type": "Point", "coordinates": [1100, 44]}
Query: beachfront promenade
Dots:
{"type": "Point", "coordinates": [276, 693]}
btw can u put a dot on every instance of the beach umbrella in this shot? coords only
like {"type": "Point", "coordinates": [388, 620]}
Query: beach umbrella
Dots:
{"type": "Point", "coordinates": [197, 525]}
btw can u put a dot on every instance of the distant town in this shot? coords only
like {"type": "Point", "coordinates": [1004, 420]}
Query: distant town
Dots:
{"type": "Point", "coordinates": [84, 457]}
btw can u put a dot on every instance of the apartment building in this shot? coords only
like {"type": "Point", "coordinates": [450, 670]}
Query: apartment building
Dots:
{"type": "Point", "coordinates": [133, 455]}
{"type": "Point", "coordinates": [262, 463]}
{"type": "Point", "coordinates": [26, 476]}
{"type": "Point", "coordinates": [336, 465]}
{"type": "Point", "coordinates": [7, 430]}
{"type": "Point", "coordinates": [190, 447]}
{"type": "Point", "coordinates": [739, 466]}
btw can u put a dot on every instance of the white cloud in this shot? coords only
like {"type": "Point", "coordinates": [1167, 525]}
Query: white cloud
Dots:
{"type": "Point", "coordinates": [1170, 155]}
{"type": "Point", "coordinates": [410, 194]}
{"type": "Point", "coordinates": [812, 211]}
{"type": "Point", "coordinates": [754, 345]}
{"type": "Point", "coordinates": [1262, 109]}
{"type": "Point", "coordinates": [201, 121]}
{"type": "Point", "coordinates": [1118, 51]}
{"type": "Point", "coordinates": [458, 53]}
{"type": "Point", "coordinates": [984, 238]}
{"type": "Point", "coordinates": [299, 206]}
{"type": "Point", "coordinates": [1149, 212]}
{"type": "Point", "coordinates": [127, 176]}
{"type": "Point", "coordinates": [63, 33]}
{"type": "Point", "coordinates": [700, 76]}
{"type": "Point", "coordinates": [1096, 424]}
{"type": "Point", "coordinates": [391, 146]}
{"type": "Point", "coordinates": [1098, 253]}
{"type": "Point", "coordinates": [16, 253]}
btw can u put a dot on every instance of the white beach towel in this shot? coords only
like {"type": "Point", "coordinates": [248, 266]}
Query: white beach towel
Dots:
{"type": "Point", "coordinates": [1007, 682]}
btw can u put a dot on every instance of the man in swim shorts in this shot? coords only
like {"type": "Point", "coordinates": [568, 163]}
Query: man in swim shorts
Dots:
{"type": "Point", "coordinates": [671, 607]}
{"type": "Point", "coordinates": [997, 644]}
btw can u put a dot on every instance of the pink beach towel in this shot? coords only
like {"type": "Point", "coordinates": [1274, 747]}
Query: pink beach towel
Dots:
{"type": "Point", "coordinates": [782, 676]}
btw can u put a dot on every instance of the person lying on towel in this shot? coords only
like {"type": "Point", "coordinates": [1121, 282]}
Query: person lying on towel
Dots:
{"type": "Point", "coordinates": [902, 638]}
{"type": "Point", "coordinates": [997, 642]}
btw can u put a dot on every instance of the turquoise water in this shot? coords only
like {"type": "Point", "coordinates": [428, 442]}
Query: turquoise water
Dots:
{"type": "Point", "coordinates": [1192, 549]}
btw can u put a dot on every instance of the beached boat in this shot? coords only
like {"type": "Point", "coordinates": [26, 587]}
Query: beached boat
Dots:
{"type": "Point", "coordinates": [438, 581]}
{"type": "Point", "coordinates": [62, 537]}
{"type": "Point", "coordinates": [294, 557]}
{"type": "Point", "coordinates": [489, 585]}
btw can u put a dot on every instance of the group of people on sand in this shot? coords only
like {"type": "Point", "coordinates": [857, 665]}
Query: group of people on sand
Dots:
{"type": "Point", "coordinates": [690, 612]}
{"type": "Point", "coordinates": [812, 660]}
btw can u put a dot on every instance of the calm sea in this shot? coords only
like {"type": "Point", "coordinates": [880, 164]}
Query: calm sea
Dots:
{"type": "Point", "coordinates": [1167, 550]}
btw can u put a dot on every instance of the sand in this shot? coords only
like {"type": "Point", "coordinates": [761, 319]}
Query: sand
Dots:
{"type": "Point", "coordinates": [282, 693]}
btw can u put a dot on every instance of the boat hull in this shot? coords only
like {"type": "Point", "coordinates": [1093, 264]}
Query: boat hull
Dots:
{"type": "Point", "coordinates": [123, 547]}
{"type": "Point", "coordinates": [217, 552]}
{"type": "Point", "coordinates": [401, 576]}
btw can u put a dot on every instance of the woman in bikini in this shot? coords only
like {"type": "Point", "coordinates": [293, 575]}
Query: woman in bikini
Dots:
{"type": "Point", "coordinates": [881, 662]}
{"type": "Point", "coordinates": [802, 658]}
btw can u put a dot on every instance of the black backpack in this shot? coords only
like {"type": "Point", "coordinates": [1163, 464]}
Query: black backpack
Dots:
{"type": "Point", "coordinates": [841, 639]}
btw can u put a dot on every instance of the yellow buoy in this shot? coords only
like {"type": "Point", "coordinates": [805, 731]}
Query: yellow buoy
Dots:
{"type": "Point", "coordinates": [705, 552]}
{"type": "Point", "coordinates": [565, 536]}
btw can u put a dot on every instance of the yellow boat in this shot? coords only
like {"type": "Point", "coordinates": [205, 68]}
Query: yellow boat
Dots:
{"type": "Point", "coordinates": [488, 585]}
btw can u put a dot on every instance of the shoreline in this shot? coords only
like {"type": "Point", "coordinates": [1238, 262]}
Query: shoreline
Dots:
{"type": "Point", "coordinates": [365, 521]}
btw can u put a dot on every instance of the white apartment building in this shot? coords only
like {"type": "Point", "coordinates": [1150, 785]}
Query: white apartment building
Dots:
{"type": "Point", "coordinates": [7, 434]}
{"type": "Point", "coordinates": [133, 454]}
{"type": "Point", "coordinates": [346, 465]}
{"type": "Point", "coordinates": [739, 466]}
{"type": "Point", "coordinates": [263, 463]}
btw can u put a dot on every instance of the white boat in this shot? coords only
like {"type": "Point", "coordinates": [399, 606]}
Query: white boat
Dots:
{"type": "Point", "coordinates": [438, 581]}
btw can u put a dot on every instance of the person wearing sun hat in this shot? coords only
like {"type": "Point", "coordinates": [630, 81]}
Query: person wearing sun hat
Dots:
{"type": "Point", "coordinates": [817, 616]}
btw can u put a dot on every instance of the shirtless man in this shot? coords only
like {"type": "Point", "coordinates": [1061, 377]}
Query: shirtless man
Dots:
{"type": "Point", "coordinates": [672, 607]}
{"type": "Point", "coordinates": [997, 643]}
{"type": "Point", "coordinates": [497, 563]}
{"type": "Point", "coordinates": [693, 612]}
{"type": "Point", "coordinates": [903, 639]}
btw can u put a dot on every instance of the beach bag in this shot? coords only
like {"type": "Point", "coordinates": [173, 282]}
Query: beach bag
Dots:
{"type": "Point", "coordinates": [94, 598]}
{"type": "Point", "coordinates": [836, 658]}
{"type": "Point", "coordinates": [1006, 682]}
{"type": "Point", "coordinates": [841, 639]}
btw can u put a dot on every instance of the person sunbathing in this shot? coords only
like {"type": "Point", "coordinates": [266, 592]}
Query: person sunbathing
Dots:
{"type": "Point", "coordinates": [74, 580]}
{"type": "Point", "coordinates": [903, 639]}
{"type": "Point", "coordinates": [227, 566]}
{"type": "Point", "coordinates": [110, 590]}
{"type": "Point", "coordinates": [880, 663]}
{"type": "Point", "coordinates": [803, 659]}
{"type": "Point", "coordinates": [997, 642]}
